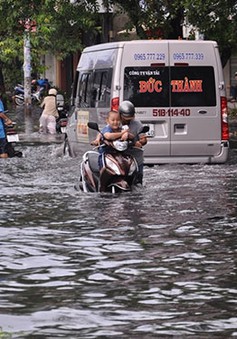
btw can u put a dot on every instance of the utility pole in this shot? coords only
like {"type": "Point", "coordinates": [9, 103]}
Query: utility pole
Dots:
{"type": "Point", "coordinates": [27, 78]}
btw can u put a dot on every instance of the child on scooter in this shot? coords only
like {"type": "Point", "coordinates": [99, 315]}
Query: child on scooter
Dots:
{"type": "Point", "coordinates": [112, 131]}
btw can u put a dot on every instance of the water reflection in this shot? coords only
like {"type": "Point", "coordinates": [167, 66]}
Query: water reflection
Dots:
{"type": "Point", "coordinates": [158, 262]}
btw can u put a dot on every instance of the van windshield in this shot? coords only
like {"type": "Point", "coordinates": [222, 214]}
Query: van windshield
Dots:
{"type": "Point", "coordinates": [170, 86]}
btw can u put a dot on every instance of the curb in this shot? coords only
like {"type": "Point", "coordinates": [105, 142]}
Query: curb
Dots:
{"type": "Point", "coordinates": [37, 138]}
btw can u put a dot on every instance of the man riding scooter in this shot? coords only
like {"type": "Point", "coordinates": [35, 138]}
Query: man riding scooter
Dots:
{"type": "Point", "coordinates": [127, 114]}
{"type": "Point", "coordinates": [121, 168]}
{"type": "Point", "coordinates": [134, 128]}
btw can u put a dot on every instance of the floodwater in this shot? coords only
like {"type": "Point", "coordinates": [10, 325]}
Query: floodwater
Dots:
{"type": "Point", "coordinates": [158, 263]}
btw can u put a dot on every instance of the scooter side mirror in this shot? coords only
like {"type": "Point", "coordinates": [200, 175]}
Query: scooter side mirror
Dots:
{"type": "Point", "coordinates": [93, 125]}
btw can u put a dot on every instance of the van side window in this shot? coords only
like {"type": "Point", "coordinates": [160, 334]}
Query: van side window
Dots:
{"type": "Point", "coordinates": [73, 98]}
{"type": "Point", "coordinates": [84, 90]}
{"type": "Point", "coordinates": [74, 89]}
{"type": "Point", "coordinates": [101, 88]}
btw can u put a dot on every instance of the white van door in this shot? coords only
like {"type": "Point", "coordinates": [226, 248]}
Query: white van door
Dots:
{"type": "Point", "coordinates": [145, 82]}
{"type": "Point", "coordinates": [195, 127]}
{"type": "Point", "coordinates": [174, 86]}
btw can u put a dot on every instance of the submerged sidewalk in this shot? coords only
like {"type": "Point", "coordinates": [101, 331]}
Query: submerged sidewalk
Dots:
{"type": "Point", "coordinates": [38, 138]}
{"type": "Point", "coordinates": [27, 126]}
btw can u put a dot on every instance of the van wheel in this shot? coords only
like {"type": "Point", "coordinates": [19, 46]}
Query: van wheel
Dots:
{"type": "Point", "coordinates": [66, 148]}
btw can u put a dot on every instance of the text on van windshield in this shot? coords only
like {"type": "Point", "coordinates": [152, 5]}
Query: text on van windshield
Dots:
{"type": "Point", "coordinates": [180, 86]}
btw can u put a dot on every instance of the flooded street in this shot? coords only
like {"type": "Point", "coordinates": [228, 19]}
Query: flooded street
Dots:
{"type": "Point", "coordinates": [160, 262]}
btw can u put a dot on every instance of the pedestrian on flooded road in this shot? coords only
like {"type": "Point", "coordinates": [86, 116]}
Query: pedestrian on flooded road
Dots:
{"type": "Point", "coordinates": [50, 113]}
{"type": "Point", "coordinates": [3, 136]}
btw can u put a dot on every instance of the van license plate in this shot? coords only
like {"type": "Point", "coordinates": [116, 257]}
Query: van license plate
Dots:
{"type": "Point", "coordinates": [151, 132]}
{"type": "Point", "coordinates": [13, 138]}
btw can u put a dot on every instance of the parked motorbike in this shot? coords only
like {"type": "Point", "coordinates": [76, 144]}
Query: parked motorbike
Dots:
{"type": "Point", "coordinates": [19, 95]}
{"type": "Point", "coordinates": [12, 139]}
{"type": "Point", "coordinates": [61, 122]}
{"type": "Point", "coordinates": [120, 172]}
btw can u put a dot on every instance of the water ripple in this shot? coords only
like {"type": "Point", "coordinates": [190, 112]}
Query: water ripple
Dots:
{"type": "Point", "coordinates": [160, 262]}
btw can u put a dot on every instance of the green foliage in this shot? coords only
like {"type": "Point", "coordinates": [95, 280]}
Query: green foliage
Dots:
{"type": "Point", "coordinates": [61, 25]}
{"type": "Point", "coordinates": [55, 26]}
{"type": "Point", "coordinates": [216, 19]}
{"type": "Point", "coordinates": [154, 16]}
{"type": "Point", "coordinates": [232, 113]}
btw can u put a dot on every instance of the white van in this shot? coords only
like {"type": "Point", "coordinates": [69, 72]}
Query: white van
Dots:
{"type": "Point", "coordinates": [176, 86]}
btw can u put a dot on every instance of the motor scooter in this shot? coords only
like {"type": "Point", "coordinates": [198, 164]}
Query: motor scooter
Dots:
{"type": "Point", "coordinates": [19, 95]}
{"type": "Point", "coordinates": [61, 122]}
{"type": "Point", "coordinates": [120, 170]}
{"type": "Point", "coordinates": [12, 139]}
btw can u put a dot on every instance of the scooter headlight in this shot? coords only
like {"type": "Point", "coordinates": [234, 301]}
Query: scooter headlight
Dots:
{"type": "Point", "coordinates": [120, 145]}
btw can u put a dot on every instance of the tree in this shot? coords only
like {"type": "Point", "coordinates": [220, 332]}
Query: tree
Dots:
{"type": "Point", "coordinates": [56, 26]}
{"type": "Point", "coordinates": [215, 19]}
{"type": "Point", "coordinates": [163, 18]}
